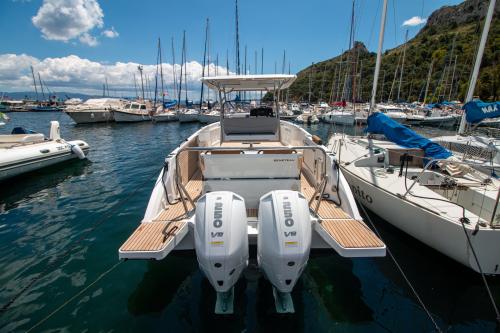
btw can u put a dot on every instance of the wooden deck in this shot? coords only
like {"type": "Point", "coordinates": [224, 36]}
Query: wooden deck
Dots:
{"type": "Point", "coordinates": [340, 230]}
{"type": "Point", "coordinates": [350, 233]}
{"type": "Point", "coordinates": [177, 212]}
{"type": "Point", "coordinates": [327, 209]}
{"type": "Point", "coordinates": [152, 236]}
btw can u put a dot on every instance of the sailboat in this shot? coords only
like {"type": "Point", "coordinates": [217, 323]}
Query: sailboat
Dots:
{"type": "Point", "coordinates": [484, 151]}
{"type": "Point", "coordinates": [419, 187]}
{"type": "Point", "coordinates": [251, 180]}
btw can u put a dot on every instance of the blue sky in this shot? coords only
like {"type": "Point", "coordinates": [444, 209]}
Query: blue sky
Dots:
{"type": "Point", "coordinates": [309, 31]}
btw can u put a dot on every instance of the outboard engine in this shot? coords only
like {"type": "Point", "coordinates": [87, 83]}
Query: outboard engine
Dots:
{"type": "Point", "coordinates": [284, 242]}
{"type": "Point", "coordinates": [221, 243]}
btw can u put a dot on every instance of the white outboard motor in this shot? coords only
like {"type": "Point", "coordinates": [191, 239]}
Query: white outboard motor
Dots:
{"type": "Point", "coordinates": [284, 242]}
{"type": "Point", "coordinates": [221, 243]}
{"type": "Point", "coordinates": [55, 132]}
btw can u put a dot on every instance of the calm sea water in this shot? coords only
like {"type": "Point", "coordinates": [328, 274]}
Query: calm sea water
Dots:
{"type": "Point", "coordinates": [44, 214]}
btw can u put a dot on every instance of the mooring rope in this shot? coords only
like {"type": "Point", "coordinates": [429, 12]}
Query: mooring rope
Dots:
{"type": "Point", "coordinates": [109, 270]}
{"type": "Point", "coordinates": [414, 291]}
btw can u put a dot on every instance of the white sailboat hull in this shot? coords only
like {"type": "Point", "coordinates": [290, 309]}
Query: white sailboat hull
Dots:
{"type": "Point", "coordinates": [165, 117]}
{"type": "Point", "coordinates": [208, 118]}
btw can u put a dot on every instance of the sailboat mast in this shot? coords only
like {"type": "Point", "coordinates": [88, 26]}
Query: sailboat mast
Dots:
{"type": "Point", "coordinates": [34, 82]}
{"type": "Point", "coordinates": [379, 57]}
{"type": "Point", "coordinates": [402, 64]}
{"type": "Point", "coordinates": [477, 65]}
{"type": "Point", "coordinates": [184, 53]}
{"type": "Point", "coordinates": [161, 75]}
{"type": "Point", "coordinates": [41, 85]}
{"type": "Point", "coordinates": [237, 42]}
{"type": "Point", "coordinates": [182, 67]}
{"type": "Point", "coordinates": [142, 80]}
{"type": "Point", "coordinates": [204, 63]}
{"type": "Point", "coordinates": [174, 72]}
{"type": "Point", "coordinates": [428, 81]}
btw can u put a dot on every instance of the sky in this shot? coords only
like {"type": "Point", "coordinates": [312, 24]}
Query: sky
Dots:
{"type": "Point", "coordinates": [77, 45]}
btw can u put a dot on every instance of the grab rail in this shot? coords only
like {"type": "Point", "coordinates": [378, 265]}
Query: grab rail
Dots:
{"type": "Point", "coordinates": [446, 161]}
{"type": "Point", "coordinates": [249, 148]}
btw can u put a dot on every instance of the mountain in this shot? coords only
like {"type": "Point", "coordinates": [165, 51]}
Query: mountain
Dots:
{"type": "Point", "coordinates": [451, 32]}
{"type": "Point", "coordinates": [31, 95]}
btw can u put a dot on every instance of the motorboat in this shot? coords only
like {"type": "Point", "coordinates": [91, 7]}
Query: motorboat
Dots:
{"type": "Point", "coordinates": [11, 106]}
{"type": "Point", "coordinates": [132, 112]}
{"type": "Point", "coordinates": [247, 181]}
{"type": "Point", "coordinates": [435, 197]}
{"type": "Point", "coordinates": [307, 118]}
{"type": "Point", "coordinates": [340, 117]}
{"type": "Point", "coordinates": [165, 116]}
{"type": "Point", "coordinates": [392, 112]}
{"type": "Point", "coordinates": [209, 117]}
{"type": "Point", "coordinates": [188, 115]}
{"type": "Point", "coordinates": [434, 117]}
{"type": "Point", "coordinates": [24, 151]}
{"type": "Point", "coordinates": [94, 110]}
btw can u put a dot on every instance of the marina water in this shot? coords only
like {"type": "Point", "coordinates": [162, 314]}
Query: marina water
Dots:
{"type": "Point", "coordinates": [86, 210]}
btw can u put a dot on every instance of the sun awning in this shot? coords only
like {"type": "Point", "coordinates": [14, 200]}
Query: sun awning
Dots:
{"type": "Point", "coordinates": [249, 82]}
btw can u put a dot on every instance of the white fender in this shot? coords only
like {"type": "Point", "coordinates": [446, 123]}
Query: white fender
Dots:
{"type": "Point", "coordinates": [75, 149]}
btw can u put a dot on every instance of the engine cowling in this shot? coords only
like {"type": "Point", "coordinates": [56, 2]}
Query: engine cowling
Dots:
{"type": "Point", "coordinates": [284, 237]}
{"type": "Point", "coordinates": [221, 238]}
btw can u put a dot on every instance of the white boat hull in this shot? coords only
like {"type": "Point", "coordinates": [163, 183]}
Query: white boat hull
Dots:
{"type": "Point", "coordinates": [341, 119]}
{"type": "Point", "coordinates": [128, 117]}
{"type": "Point", "coordinates": [19, 160]}
{"type": "Point", "coordinates": [91, 116]}
{"type": "Point", "coordinates": [188, 118]}
{"type": "Point", "coordinates": [165, 117]}
{"type": "Point", "coordinates": [208, 119]}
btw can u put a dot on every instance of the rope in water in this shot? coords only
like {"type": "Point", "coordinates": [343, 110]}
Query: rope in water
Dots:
{"type": "Point", "coordinates": [75, 296]}
{"type": "Point", "coordinates": [414, 291]}
{"type": "Point", "coordinates": [51, 267]}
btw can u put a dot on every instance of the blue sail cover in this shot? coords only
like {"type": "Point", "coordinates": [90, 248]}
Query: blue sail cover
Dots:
{"type": "Point", "coordinates": [475, 111]}
{"type": "Point", "coordinates": [379, 123]}
{"type": "Point", "coordinates": [170, 103]}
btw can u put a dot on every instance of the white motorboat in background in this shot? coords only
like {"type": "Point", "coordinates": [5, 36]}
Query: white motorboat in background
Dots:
{"type": "Point", "coordinates": [132, 112]}
{"type": "Point", "coordinates": [188, 115]}
{"type": "Point", "coordinates": [392, 112]}
{"type": "Point", "coordinates": [340, 117]}
{"type": "Point", "coordinates": [245, 181]}
{"type": "Point", "coordinates": [23, 152]}
{"type": "Point", "coordinates": [165, 116]}
{"type": "Point", "coordinates": [95, 110]}
{"type": "Point", "coordinates": [209, 117]}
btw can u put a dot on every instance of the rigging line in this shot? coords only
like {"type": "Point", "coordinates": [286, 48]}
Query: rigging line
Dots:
{"type": "Point", "coordinates": [76, 295]}
{"type": "Point", "coordinates": [436, 326]}
{"type": "Point", "coordinates": [373, 25]}
{"type": "Point", "coordinates": [49, 267]}
{"type": "Point", "coordinates": [463, 220]}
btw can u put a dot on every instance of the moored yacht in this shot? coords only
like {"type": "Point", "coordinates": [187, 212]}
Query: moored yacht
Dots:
{"type": "Point", "coordinates": [251, 180]}
{"type": "Point", "coordinates": [94, 110]}
{"type": "Point", "coordinates": [188, 115]}
{"type": "Point", "coordinates": [133, 112]}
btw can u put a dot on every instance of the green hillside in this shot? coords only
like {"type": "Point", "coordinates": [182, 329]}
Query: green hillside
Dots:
{"type": "Point", "coordinates": [452, 27]}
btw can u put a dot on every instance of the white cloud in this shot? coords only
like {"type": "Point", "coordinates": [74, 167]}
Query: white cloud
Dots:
{"type": "Point", "coordinates": [111, 33]}
{"type": "Point", "coordinates": [64, 20]}
{"type": "Point", "coordinates": [87, 39]}
{"type": "Point", "coordinates": [75, 74]}
{"type": "Point", "coordinates": [414, 21]}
